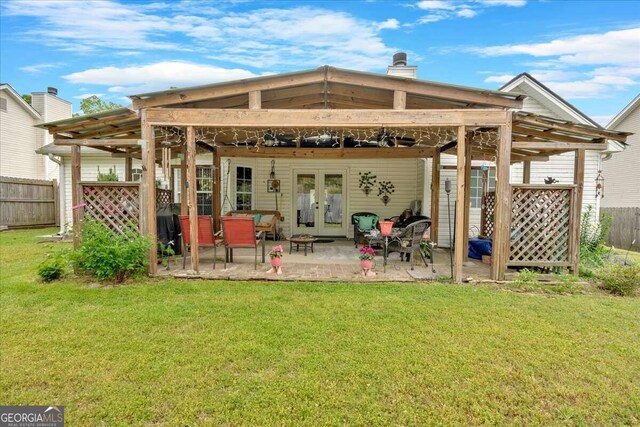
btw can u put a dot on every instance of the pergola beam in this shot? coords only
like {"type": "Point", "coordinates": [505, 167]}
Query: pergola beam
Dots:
{"type": "Point", "coordinates": [98, 143]}
{"type": "Point", "coordinates": [327, 153]}
{"type": "Point", "coordinates": [557, 145]}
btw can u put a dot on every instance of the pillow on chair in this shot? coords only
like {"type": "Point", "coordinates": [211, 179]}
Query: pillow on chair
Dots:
{"type": "Point", "coordinates": [266, 220]}
{"type": "Point", "coordinates": [366, 223]}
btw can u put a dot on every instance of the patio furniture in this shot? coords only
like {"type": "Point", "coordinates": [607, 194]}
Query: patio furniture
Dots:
{"type": "Point", "coordinates": [206, 237]}
{"type": "Point", "coordinates": [266, 220]}
{"type": "Point", "coordinates": [240, 232]}
{"type": "Point", "coordinates": [301, 239]}
{"type": "Point", "coordinates": [408, 241]}
{"type": "Point", "coordinates": [363, 223]}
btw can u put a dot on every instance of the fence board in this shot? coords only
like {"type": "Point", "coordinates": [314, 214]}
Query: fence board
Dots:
{"type": "Point", "coordinates": [625, 227]}
{"type": "Point", "coordinates": [28, 202]}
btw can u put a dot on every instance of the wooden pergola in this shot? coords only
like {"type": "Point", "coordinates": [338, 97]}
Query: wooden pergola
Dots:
{"type": "Point", "coordinates": [418, 119]}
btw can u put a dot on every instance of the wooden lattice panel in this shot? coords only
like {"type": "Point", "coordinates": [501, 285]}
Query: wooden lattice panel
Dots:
{"type": "Point", "coordinates": [163, 197]}
{"type": "Point", "coordinates": [117, 205]}
{"type": "Point", "coordinates": [541, 225]}
{"type": "Point", "coordinates": [487, 214]}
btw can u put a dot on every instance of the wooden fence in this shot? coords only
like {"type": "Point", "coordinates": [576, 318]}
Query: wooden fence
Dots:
{"type": "Point", "coordinates": [625, 227]}
{"type": "Point", "coordinates": [28, 202]}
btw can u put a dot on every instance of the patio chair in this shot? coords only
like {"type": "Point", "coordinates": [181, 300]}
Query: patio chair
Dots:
{"type": "Point", "coordinates": [408, 241]}
{"type": "Point", "coordinates": [240, 232]}
{"type": "Point", "coordinates": [206, 236]}
{"type": "Point", "coordinates": [363, 222]}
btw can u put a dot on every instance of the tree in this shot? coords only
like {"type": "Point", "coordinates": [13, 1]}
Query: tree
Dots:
{"type": "Point", "coordinates": [27, 98]}
{"type": "Point", "coordinates": [93, 104]}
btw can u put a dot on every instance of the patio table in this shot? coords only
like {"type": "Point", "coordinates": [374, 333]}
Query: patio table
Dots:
{"type": "Point", "coordinates": [302, 239]}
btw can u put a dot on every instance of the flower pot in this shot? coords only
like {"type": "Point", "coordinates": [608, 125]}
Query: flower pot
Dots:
{"type": "Point", "coordinates": [276, 262]}
{"type": "Point", "coordinates": [366, 264]}
{"type": "Point", "coordinates": [386, 227]}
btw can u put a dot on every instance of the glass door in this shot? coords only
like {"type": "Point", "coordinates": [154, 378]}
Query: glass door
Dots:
{"type": "Point", "coordinates": [319, 203]}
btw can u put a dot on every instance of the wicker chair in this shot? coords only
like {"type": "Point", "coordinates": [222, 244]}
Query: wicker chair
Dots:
{"type": "Point", "coordinates": [409, 241]}
{"type": "Point", "coordinates": [358, 232]}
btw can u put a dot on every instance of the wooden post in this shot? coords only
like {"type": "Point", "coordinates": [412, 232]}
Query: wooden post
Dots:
{"type": "Point", "coordinates": [192, 197]}
{"type": "Point", "coordinates": [255, 100]}
{"type": "Point", "coordinates": [399, 99]}
{"type": "Point", "coordinates": [467, 194]}
{"type": "Point", "coordinates": [183, 179]}
{"type": "Point", "coordinates": [128, 168]}
{"type": "Point", "coordinates": [526, 172]}
{"type": "Point", "coordinates": [148, 190]}
{"type": "Point", "coordinates": [435, 195]}
{"type": "Point", "coordinates": [461, 209]}
{"type": "Point", "coordinates": [76, 194]}
{"type": "Point", "coordinates": [217, 185]}
{"type": "Point", "coordinates": [578, 180]}
{"type": "Point", "coordinates": [502, 217]}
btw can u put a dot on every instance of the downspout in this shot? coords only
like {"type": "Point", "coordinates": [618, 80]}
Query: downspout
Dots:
{"type": "Point", "coordinates": [61, 191]}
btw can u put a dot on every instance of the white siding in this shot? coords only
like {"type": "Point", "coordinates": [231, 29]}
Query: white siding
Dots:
{"type": "Point", "coordinates": [622, 171]}
{"type": "Point", "coordinates": [407, 175]}
{"type": "Point", "coordinates": [18, 142]}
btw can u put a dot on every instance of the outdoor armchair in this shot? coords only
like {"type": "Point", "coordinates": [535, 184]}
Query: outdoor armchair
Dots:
{"type": "Point", "coordinates": [240, 232]}
{"type": "Point", "coordinates": [363, 222]}
{"type": "Point", "coordinates": [206, 237]}
{"type": "Point", "coordinates": [409, 240]}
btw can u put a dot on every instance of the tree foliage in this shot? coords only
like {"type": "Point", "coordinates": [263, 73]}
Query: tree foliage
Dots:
{"type": "Point", "coordinates": [27, 97]}
{"type": "Point", "coordinates": [93, 104]}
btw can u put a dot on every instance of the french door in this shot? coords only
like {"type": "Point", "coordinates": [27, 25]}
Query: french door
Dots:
{"type": "Point", "coordinates": [319, 202]}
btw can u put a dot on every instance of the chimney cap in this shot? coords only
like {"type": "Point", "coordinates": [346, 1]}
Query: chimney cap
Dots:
{"type": "Point", "coordinates": [399, 58]}
{"type": "Point", "coordinates": [52, 91]}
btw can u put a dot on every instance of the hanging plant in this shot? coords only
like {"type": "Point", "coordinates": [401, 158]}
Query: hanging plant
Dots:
{"type": "Point", "coordinates": [385, 189]}
{"type": "Point", "coordinates": [367, 181]}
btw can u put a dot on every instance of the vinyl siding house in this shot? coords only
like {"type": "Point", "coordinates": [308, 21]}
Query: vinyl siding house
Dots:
{"type": "Point", "coordinates": [19, 139]}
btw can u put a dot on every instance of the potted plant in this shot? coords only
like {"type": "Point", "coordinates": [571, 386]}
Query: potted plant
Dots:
{"type": "Point", "coordinates": [367, 181]}
{"type": "Point", "coordinates": [366, 261]}
{"type": "Point", "coordinates": [385, 188]}
{"type": "Point", "coordinates": [276, 259]}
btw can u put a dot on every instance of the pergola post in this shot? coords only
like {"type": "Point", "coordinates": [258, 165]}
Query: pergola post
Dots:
{"type": "Point", "coordinates": [461, 209]}
{"type": "Point", "coordinates": [192, 197]}
{"type": "Point", "coordinates": [183, 179]}
{"type": "Point", "coordinates": [435, 195]}
{"type": "Point", "coordinates": [217, 201]}
{"type": "Point", "coordinates": [526, 172]}
{"type": "Point", "coordinates": [578, 180]}
{"type": "Point", "coordinates": [128, 168]}
{"type": "Point", "coordinates": [148, 226]}
{"type": "Point", "coordinates": [76, 194]}
{"type": "Point", "coordinates": [467, 194]}
{"type": "Point", "coordinates": [502, 216]}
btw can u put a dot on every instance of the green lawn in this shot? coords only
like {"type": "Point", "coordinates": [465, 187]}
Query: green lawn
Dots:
{"type": "Point", "coordinates": [219, 353]}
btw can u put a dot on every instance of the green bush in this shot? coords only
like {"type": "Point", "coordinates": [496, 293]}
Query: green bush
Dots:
{"type": "Point", "coordinates": [593, 252]}
{"type": "Point", "coordinates": [619, 279]}
{"type": "Point", "coordinates": [110, 256]}
{"type": "Point", "coordinates": [526, 277]}
{"type": "Point", "coordinates": [54, 267]}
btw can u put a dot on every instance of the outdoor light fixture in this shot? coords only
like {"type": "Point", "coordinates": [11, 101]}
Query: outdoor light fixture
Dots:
{"type": "Point", "coordinates": [599, 185]}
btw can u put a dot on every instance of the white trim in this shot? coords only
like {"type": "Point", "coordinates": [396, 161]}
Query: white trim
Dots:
{"type": "Point", "coordinates": [624, 113]}
{"type": "Point", "coordinates": [20, 100]}
{"type": "Point", "coordinates": [235, 184]}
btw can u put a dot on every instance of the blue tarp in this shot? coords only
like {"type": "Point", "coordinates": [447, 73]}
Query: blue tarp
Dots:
{"type": "Point", "coordinates": [479, 247]}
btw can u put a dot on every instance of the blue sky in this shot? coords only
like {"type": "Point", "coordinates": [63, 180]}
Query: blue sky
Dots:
{"type": "Point", "coordinates": [586, 51]}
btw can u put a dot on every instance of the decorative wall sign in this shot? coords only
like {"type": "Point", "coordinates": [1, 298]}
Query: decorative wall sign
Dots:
{"type": "Point", "coordinates": [273, 185]}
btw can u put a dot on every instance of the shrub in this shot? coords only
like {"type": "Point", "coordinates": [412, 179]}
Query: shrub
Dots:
{"type": "Point", "coordinates": [619, 279]}
{"type": "Point", "coordinates": [593, 252]}
{"type": "Point", "coordinates": [54, 267]}
{"type": "Point", "coordinates": [110, 256]}
{"type": "Point", "coordinates": [112, 175]}
{"type": "Point", "coordinates": [526, 277]}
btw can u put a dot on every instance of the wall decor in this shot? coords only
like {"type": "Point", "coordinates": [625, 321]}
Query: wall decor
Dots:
{"type": "Point", "coordinates": [385, 189]}
{"type": "Point", "coordinates": [367, 181]}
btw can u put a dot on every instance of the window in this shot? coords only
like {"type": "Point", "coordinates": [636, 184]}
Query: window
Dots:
{"type": "Point", "coordinates": [3, 104]}
{"type": "Point", "coordinates": [204, 188]}
{"type": "Point", "coordinates": [244, 188]}
{"type": "Point", "coordinates": [136, 174]}
{"type": "Point", "coordinates": [476, 185]}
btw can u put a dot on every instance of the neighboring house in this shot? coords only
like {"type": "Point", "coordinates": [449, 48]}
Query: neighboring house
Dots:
{"type": "Point", "coordinates": [621, 175]}
{"type": "Point", "coordinates": [19, 139]}
{"type": "Point", "coordinates": [622, 171]}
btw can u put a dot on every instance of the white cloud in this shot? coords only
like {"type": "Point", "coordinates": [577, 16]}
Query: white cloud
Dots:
{"type": "Point", "coordinates": [613, 47]}
{"type": "Point", "coordinates": [435, 4]}
{"type": "Point", "coordinates": [87, 95]}
{"type": "Point", "coordinates": [304, 36]}
{"type": "Point", "coordinates": [466, 13]}
{"type": "Point", "coordinates": [512, 3]}
{"type": "Point", "coordinates": [501, 78]}
{"type": "Point", "coordinates": [157, 76]}
{"type": "Point", "coordinates": [38, 68]}
{"type": "Point", "coordinates": [603, 120]}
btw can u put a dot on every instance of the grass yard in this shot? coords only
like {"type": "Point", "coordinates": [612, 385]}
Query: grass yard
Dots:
{"type": "Point", "coordinates": [218, 353]}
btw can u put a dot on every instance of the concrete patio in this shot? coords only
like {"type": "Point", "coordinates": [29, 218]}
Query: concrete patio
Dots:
{"type": "Point", "coordinates": [335, 261]}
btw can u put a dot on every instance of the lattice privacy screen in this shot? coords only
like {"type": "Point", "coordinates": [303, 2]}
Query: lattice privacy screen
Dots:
{"type": "Point", "coordinates": [541, 225]}
{"type": "Point", "coordinates": [487, 214]}
{"type": "Point", "coordinates": [115, 204]}
{"type": "Point", "coordinates": [163, 197]}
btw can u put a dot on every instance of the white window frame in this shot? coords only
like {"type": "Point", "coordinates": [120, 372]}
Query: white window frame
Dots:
{"type": "Point", "coordinates": [235, 186]}
{"type": "Point", "coordinates": [476, 201]}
